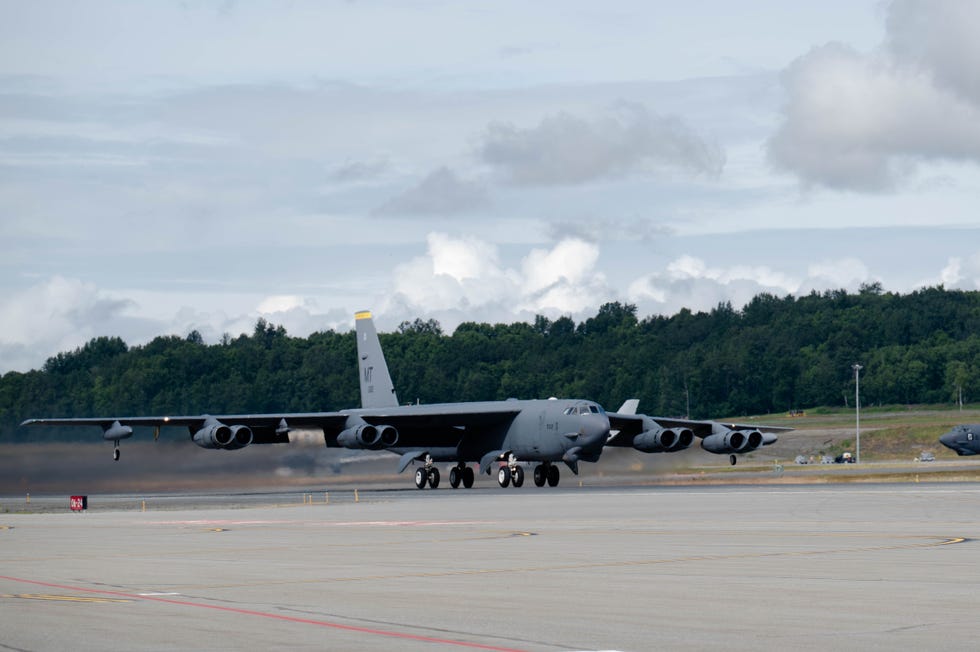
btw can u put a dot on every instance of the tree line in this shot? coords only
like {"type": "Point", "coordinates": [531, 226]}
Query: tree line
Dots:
{"type": "Point", "coordinates": [775, 354]}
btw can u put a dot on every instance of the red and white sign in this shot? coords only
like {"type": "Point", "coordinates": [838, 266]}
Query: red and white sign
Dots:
{"type": "Point", "coordinates": [78, 503]}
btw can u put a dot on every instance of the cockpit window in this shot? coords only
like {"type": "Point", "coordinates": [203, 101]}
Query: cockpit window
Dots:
{"type": "Point", "coordinates": [583, 409]}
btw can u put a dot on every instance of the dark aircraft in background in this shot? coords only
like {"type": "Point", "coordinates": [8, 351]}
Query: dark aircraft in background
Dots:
{"type": "Point", "coordinates": [965, 439]}
{"type": "Point", "coordinates": [520, 433]}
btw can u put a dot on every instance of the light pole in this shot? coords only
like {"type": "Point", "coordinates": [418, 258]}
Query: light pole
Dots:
{"type": "Point", "coordinates": [857, 404]}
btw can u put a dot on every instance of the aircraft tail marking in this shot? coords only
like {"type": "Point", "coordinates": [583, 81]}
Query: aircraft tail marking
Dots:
{"type": "Point", "coordinates": [377, 390]}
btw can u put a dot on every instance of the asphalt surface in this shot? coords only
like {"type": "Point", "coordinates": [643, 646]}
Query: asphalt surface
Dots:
{"type": "Point", "coordinates": [853, 567]}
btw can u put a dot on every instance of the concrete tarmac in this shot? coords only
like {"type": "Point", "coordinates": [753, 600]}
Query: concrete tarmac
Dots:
{"type": "Point", "coordinates": [851, 567]}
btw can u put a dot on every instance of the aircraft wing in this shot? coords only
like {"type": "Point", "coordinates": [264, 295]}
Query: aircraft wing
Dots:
{"type": "Point", "coordinates": [624, 428]}
{"type": "Point", "coordinates": [266, 428]}
{"type": "Point", "coordinates": [416, 424]}
{"type": "Point", "coordinates": [651, 434]}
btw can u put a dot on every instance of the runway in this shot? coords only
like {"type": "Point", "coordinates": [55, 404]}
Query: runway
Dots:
{"type": "Point", "coordinates": [869, 567]}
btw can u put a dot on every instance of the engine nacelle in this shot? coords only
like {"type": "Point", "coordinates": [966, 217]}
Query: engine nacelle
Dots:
{"type": "Point", "coordinates": [214, 434]}
{"type": "Point", "coordinates": [241, 436]}
{"type": "Point", "coordinates": [387, 436]}
{"type": "Point", "coordinates": [732, 441]}
{"type": "Point", "coordinates": [361, 436]}
{"type": "Point", "coordinates": [663, 440]}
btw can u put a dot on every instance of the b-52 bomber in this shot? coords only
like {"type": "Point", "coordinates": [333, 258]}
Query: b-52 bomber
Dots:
{"type": "Point", "coordinates": [510, 435]}
{"type": "Point", "coordinates": [964, 439]}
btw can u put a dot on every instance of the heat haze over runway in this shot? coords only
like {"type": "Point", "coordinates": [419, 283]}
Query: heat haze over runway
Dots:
{"type": "Point", "coordinates": [813, 567]}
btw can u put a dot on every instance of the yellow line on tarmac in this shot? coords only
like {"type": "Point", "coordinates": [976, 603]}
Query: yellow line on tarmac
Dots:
{"type": "Point", "coordinates": [61, 598]}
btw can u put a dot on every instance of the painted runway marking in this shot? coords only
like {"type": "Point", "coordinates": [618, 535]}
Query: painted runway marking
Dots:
{"type": "Point", "coordinates": [221, 522]}
{"type": "Point", "coordinates": [61, 598]}
{"type": "Point", "coordinates": [932, 542]}
{"type": "Point", "coordinates": [121, 596]}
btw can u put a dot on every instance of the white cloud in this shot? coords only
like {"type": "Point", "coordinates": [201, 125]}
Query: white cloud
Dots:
{"type": "Point", "coordinates": [441, 192]}
{"type": "Point", "coordinates": [60, 314]}
{"type": "Point", "coordinates": [465, 274]}
{"type": "Point", "coordinates": [867, 122]}
{"type": "Point", "coordinates": [566, 149]}
{"type": "Point", "coordinates": [847, 273]}
{"type": "Point", "coordinates": [957, 274]}
{"type": "Point", "coordinates": [281, 303]}
{"type": "Point", "coordinates": [938, 36]}
{"type": "Point", "coordinates": [689, 282]}
{"type": "Point", "coordinates": [951, 274]}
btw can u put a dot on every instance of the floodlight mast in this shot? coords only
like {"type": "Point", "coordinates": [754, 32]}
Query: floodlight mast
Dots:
{"type": "Point", "coordinates": [857, 404]}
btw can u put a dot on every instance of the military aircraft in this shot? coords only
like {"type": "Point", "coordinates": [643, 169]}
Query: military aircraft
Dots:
{"type": "Point", "coordinates": [965, 439]}
{"type": "Point", "coordinates": [511, 434]}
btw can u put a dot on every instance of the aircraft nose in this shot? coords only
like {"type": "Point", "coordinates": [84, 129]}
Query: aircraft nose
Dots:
{"type": "Point", "coordinates": [948, 439]}
{"type": "Point", "coordinates": [594, 431]}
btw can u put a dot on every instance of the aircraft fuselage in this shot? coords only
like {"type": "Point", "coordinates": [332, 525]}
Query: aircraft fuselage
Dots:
{"type": "Point", "coordinates": [539, 430]}
{"type": "Point", "coordinates": [964, 439]}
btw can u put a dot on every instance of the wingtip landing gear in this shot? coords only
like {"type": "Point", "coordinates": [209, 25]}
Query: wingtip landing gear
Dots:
{"type": "Point", "coordinates": [115, 453]}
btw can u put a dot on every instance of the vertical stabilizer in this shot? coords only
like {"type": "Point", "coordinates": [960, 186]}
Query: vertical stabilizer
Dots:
{"type": "Point", "coordinates": [377, 390]}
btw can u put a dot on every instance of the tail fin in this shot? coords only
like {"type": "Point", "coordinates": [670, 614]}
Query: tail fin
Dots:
{"type": "Point", "coordinates": [377, 390]}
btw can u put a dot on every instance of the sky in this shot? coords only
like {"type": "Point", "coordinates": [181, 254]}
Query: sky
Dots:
{"type": "Point", "coordinates": [176, 166]}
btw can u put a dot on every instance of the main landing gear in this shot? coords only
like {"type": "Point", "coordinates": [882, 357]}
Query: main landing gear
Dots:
{"type": "Point", "coordinates": [428, 474]}
{"type": "Point", "coordinates": [461, 474]}
{"type": "Point", "coordinates": [546, 472]}
{"type": "Point", "coordinates": [514, 474]}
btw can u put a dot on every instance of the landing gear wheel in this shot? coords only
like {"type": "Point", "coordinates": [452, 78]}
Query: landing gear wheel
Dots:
{"type": "Point", "coordinates": [434, 478]}
{"type": "Point", "coordinates": [503, 476]}
{"type": "Point", "coordinates": [454, 478]}
{"type": "Point", "coordinates": [517, 476]}
{"type": "Point", "coordinates": [732, 459]}
{"type": "Point", "coordinates": [115, 454]}
{"type": "Point", "coordinates": [540, 475]}
{"type": "Point", "coordinates": [554, 475]}
{"type": "Point", "coordinates": [468, 477]}
{"type": "Point", "coordinates": [421, 478]}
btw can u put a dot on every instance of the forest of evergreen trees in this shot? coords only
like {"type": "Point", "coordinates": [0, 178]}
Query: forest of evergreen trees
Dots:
{"type": "Point", "coordinates": [774, 355]}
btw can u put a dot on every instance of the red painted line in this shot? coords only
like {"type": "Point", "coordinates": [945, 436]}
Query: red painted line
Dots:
{"type": "Point", "coordinates": [262, 614]}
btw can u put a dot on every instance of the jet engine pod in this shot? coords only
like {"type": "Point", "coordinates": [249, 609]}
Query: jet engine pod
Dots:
{"type": "Point", "coordinates": [663, 440]}
{"type": "Point", "coordinates": [241, 436]}
{"type": "Point", "coordinates": [655, 441]}
{"type": "Point", "coordinates": [387, 436]}
{"type": "Point", "coordinates": [214, 434]}
{"type": "Point", "coordinates": [732, 441]}
{"type": "Point", "coordinates": [754, 440]}
{"type": "Point", "coordinates": [362, 436]}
